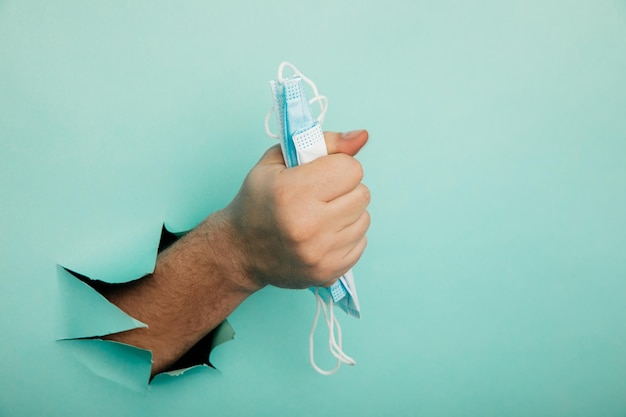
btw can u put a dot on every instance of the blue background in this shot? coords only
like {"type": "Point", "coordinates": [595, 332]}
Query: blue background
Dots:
{"type": "Point", "coordinates": [495, 279]}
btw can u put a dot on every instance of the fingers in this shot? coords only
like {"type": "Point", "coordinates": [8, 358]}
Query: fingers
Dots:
{"type": "Point", "coordinates": [355, 253]}
{"type": "Point", "coordinates": [348, 208]}
{"type": "Point", "coordinates": [347, 259]}
{"type": "Point", "coordinates": [348, 246]}
{"type": "Point", "coordinates": [349, 143]}
{"type": "Point", "coordinates": [330, 176]}
{"type": "Point", "coordinates": [350, 236]}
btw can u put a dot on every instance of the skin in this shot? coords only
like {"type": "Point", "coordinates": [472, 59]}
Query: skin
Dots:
{"type": "Point", "coordinates": [290, 228]}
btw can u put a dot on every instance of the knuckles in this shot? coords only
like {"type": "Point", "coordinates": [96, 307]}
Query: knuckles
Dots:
{"type": "Point", "coordinates": [312, 257]}
{"type": "Point", "coordinates": [366, 222]}
{"type": "Point", "coordinates": [347, 166]}
{"type": "Point", "coordinates": [299, 232]}
{"type": "Point", "coordinates": [364, 193]}
{"type": "Point", "coordinates": [357, 169]}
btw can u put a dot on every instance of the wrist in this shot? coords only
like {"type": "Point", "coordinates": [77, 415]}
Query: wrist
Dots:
{"type": "Point", "coordinates": [226, 252]}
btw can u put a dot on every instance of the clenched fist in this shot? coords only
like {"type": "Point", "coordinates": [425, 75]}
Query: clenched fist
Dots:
{"type": "Point", "coordinates": [303, 226]}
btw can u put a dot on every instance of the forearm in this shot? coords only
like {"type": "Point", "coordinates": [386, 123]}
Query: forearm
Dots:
{"type": "Point", "coordinates": [196, 284]}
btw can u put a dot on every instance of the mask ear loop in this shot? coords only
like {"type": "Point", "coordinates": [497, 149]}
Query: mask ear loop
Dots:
{"type": "Point", "coordinates": [323, 100]}
{"type": "Point", "coordinates": [317, 97]}
{"type": "Point", "coordinates": [268, 132]}
{"type": "Point", "coordinates": [319, 306]}
{"type": "Point", "coordinates": [334, 345]}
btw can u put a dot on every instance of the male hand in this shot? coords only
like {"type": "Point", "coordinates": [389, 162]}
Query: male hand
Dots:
{"type": "Point", "coordinates": [303, 226]}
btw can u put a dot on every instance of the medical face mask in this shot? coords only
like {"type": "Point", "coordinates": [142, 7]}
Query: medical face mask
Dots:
{"type": "Point", "coordinates": [302, 140]}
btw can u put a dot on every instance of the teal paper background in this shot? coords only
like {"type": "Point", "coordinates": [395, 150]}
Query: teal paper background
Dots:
{"type": "Point", "coordinates": [494, 283]}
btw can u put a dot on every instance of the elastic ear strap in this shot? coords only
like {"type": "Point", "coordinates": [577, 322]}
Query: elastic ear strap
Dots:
{"type": "Point", "coordinates": [323, 100]}
{"type": "Point", "coordinates": [268, 131]}
{"type": "Point", "coordinates": [334, 345]}
{"type": "Point", "coordinates": [320, 304]}
{"type": "Point", "coordinates": [316, 95]}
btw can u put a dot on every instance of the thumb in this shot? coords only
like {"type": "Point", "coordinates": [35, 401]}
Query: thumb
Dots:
{"type": "Point", "coordinates": [349, 143]}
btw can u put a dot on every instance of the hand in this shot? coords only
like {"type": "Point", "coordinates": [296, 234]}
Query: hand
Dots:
{"type": "Point", "coordinates": [292, 228]}
{"type": "Point", "coordinates": [303, 226]}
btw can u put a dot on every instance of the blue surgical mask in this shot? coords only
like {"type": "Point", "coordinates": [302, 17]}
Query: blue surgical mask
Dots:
{"type": "Point", "coordinates": [302, 140]}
